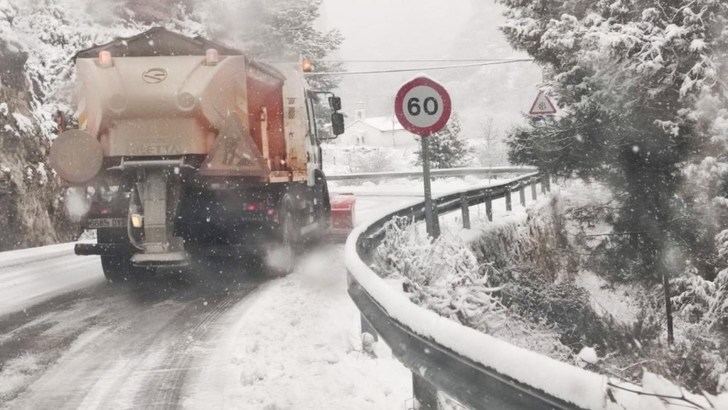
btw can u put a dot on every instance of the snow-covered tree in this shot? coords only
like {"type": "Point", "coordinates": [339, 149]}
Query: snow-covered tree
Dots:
{"type": "Point", "coordinates": [275, 30]}
{"type": "Point", "coordinates": [641, 87]}
{"type": "Point", "coordinates": [447, 148]}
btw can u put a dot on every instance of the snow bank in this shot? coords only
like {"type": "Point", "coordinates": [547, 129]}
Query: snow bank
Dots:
{"type": "Point", "coordinates": [24, 256]}
{"type": "Point", "coordinates": [33, 275]}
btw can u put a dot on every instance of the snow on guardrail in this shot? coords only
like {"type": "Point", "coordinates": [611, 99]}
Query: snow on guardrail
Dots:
{"type": "Point", "coordinates": [445, 172]}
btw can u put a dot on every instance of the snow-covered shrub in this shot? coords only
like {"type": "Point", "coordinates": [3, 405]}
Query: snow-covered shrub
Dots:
{"type": "Point", "coordinates": [537, 243]}
{"type": "Point", "coordinates": [567, 306]}
{"type": "Point", "coordinates": [367, 159]}
{"type": "Point", "coordinates": [703, 301]}
{"type": "Point", "coordinates": [442, 274]}
{"type": "Point", "coordinates": [695, 363]}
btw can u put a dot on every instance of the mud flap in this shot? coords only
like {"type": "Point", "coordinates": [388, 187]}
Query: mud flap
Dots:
{"type": "Point", "coordinates": [342, 216]}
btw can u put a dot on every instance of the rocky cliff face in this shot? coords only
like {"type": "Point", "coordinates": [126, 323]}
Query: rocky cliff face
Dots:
{"type": "Point", "coordinates": [37, 41]}
{"type": "Point", "coordinates": [31, 211]}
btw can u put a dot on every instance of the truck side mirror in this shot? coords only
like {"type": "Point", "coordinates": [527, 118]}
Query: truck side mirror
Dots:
{"type": "Point", "coordinates": [335, 103]}
{"type": "Point", "coordinates": [337, 123]}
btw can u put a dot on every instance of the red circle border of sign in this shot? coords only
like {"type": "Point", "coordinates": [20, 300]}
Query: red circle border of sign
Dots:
{"type": "Point", "coordinates": [446, 102]}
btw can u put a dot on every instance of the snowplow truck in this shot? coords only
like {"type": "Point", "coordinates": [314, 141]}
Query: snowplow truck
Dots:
{"type": "Point", "coordinates": [187, 147]}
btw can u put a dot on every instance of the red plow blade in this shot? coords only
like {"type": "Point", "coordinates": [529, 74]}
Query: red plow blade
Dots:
{"type": "Point", "coordinates": [342, 216]}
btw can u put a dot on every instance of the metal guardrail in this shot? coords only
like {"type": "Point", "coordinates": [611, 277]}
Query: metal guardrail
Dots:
{"type": "Point", "coordinates": [445, 172]}
{"type": "Point", "coordinates": [448, 357]}
{"type": "Point", "coordinates": [468, 382]}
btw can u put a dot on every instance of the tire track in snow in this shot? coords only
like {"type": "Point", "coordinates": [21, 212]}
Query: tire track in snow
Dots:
{"type": "Point", "coordinates": [125, 347]}
{"type": "Point", "coordinates": [166, 390]}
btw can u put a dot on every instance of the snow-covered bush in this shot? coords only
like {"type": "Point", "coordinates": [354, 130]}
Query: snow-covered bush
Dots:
{"type": "Point", "coordinates": [519, 281]}
{"type": "Point", "coordinates": [703, 301]}
{"type": "Point", "coordinates": [537, 244]}
{"type": "Point", "coordinates": [442, 274]}
{"type": "Point", "coordinates": [694, 363]}
{"type": "Point", "coordinates": [368, 159]}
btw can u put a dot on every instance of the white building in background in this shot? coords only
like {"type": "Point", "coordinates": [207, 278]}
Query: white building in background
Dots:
{"type": "Point", "coordinates": [375, 132]}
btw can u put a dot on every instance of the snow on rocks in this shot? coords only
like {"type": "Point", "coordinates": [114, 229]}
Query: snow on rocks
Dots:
{"type": "Point", "coordinates": [24, 123]}
{"type": "Point", "coordinates": [588, 355]}
{"type": "Point", "coordinates": [723, 383]}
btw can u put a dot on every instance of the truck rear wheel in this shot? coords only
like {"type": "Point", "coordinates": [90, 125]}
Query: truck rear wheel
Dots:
{"type": "Point", "coordinates": [279, 257]}
{"type": "Point", "coordinates": [323, 210]}
{"type": "Point", "coordinates": [119, 269]}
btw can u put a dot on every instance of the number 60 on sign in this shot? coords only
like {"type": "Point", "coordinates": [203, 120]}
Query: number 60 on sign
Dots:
{"type": "Point", "coordinates": [423, 106]}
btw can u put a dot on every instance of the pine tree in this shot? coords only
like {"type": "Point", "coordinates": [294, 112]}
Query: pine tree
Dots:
{"type": "Point", "coordinates": [447, 148]}
{"type": "Point", "coordinates": [640, 88]}
{"type": "Point", "coordinates": [640, 84]}
{"type": "Point", "coordinates": [276, 30]}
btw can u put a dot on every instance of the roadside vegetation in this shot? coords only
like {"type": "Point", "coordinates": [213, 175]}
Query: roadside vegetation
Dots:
{"type": "Point", "coordinates": [547, 281]}
{"type": "Point", "coordinates": [642, 96]}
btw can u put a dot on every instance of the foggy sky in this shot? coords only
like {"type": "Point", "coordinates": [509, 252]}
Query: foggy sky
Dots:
{"type": "Point", "coordinates": [417, 29]}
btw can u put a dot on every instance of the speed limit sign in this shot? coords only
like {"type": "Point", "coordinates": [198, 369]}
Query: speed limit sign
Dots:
{"type": "Point", "coordinates": [422, 106]}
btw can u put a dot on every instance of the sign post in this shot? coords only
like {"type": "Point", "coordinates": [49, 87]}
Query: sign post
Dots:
{"type": "Point", "coordinates": [423, 107]}
{"type": "Point", "coordinates": [432, 221]}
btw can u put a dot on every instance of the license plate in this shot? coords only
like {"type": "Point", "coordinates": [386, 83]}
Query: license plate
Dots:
{"type": "Point", "coordinates": [96, 223]}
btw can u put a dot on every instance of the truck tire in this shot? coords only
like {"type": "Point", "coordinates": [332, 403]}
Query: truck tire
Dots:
{"type": "Point", "coordinates": [323, 212]}
{"type": "Point", "coordinates": [279, 257]}
{"type": "Point", "coordinates": [119, 269]}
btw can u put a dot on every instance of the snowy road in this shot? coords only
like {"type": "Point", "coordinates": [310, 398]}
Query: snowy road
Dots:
{"type": "Point", "coordinates": [110, 346]}
{"type": "Point", "coordinates": [238, 341]}
{"type": "Point", "coordinates": [32, 275]}
{"type": "Point", "coordinates": [69, 340]}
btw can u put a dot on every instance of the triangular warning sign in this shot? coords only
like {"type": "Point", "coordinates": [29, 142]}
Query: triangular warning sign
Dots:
{"type": "Point", "coordinates": [542, 105]}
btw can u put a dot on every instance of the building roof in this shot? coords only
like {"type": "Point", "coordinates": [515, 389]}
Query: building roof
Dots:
{"type": "Point", "coordinates": [383, 124]}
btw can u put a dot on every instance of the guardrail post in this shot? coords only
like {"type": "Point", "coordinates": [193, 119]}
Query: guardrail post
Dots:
{"type": "Point", "coordinates": [522, 195]}
{"type": "Point", "coordinates": [465, 208]}
{"type": "Point", "coordinates": [547, 180]}
{"type": "Point", "coordinates": [534, 195]}
{"type": "Point", "coordinates": [435, 220]}
{"type": "Point", "coordinates": [509, 205]}
{"type": "Point", "coordinates": [545, 184]}
{"type": "Point", "coordinates": [489, 209]}
{"type": "Point", "coordinates": [366, 327]}
{"type": "Point", "coordinates": [425, 394]}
